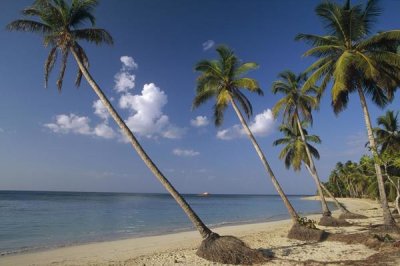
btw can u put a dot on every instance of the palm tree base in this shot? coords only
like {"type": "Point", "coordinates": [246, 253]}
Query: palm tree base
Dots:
{"type": "Point", "coordinates": [351, 215]}
{"type": "Point", "coordinates": [332, 221]}
{"type": "Point", "coordinates": [301, 232]}
{"type": "Point", "coordinates": [229, 250]}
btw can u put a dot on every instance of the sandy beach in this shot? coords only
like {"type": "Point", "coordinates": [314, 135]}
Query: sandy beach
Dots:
{"type": "Point", "coordinates": [180, 248]}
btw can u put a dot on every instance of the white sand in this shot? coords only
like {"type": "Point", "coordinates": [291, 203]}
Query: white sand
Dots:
{"type": "Point", "coordinates": [180, 248]}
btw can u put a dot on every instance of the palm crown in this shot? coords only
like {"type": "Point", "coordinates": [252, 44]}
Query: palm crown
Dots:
{"type": "Point", "coordinates": [294, 151]}
{"type": "Point", "coordinates": [350, 56]}
{"type": "Point", "coordinates": [59, 25]}
{"type": "Point", "coordinates": [223, 79]}
{"type": "Point", "coordinates": [296, 103]}
{"type": "Point", "coordinates": [388, 134]}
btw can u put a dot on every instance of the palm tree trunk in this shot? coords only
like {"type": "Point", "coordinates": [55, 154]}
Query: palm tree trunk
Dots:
{"type": "Point", "coordinates": [338, 204]}
{"type": "Point", "coordinates": [200, 226]}
{"type": "Point", "coordinates": [313, 170]}
{"type": "Point", "coordinates": [387, 217]}
{"type": "Point", "coordinates": [292, 212]}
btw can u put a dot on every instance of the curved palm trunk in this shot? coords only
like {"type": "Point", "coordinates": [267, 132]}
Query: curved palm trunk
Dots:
{"type": "Point", "coordinates": [200, 226]}
{"type": "Point", "coordinates": [292, 212]}
{"type": "Point", "coordinates": [387, 217]}
{"type": "Point", "coordinates": [313, 171]}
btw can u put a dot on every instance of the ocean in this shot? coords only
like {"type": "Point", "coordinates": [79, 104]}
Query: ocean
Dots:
{"type": "Point", "coordinates": [38, 220]}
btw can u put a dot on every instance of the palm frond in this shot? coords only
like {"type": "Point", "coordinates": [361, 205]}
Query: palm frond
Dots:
{"type": "Point", "coordinates": [49, 64]}
{"type": "Point", "coordinates": [94, 35]}
{"type": "Point", "coordinates": [29, 26]}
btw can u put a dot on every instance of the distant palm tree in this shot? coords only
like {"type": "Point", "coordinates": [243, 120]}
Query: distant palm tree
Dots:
{"type": "Point", "coordinates": [297, 105]}
{"type": "Point", "coordinates": [388, 134]}
{"type": "Point", "coordinates": [223, 79]}
{"type": "Point", "coordinates": [294, 151]}
{"type": "Point", "coordinates": [59, 25]}
{"type": "Point", "coordinates": [355, 61]}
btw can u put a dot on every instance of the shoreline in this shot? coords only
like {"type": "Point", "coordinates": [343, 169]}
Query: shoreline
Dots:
{"type": "Point", "coordinates": [44, 248]}
{"type": "Point", "coordinates": [132, 251]}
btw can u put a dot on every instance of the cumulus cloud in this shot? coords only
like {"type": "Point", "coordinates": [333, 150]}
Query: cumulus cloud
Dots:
{"type": "Point", "coordinates": [185, 153]}
{"type": "Point", "coordinates": [261, 126]}
{"type": "Point", "coordinates": [208, 45]}
{"type": "Point", "coordinates": [145, 111]}
{"type": "Point", "coordinates": [104, 131]}
{"type": "Point", "coordinates": [147, 118]}
{"type": "Point", "coordinates": [100, 110]}
{"type": "Point", "coordinates": [70, 124]}
{"type": "Point", "coordinates": [263, 123]}
{"type": "Point", "coordinates": [199, 121]}
{"type": "Point", "coordinates": [124, 80]}
{"type": "Point", "coordinates": [80, 125]}
{"type": "Point", "coordinates": [128, 62]}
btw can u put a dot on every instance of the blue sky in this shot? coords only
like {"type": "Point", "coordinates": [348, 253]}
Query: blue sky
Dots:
{"type": "Point", "coordinates": [63, 141]}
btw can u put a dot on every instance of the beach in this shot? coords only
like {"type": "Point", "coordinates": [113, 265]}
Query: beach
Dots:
{"type": "Point", "coordinates": [180, 248]}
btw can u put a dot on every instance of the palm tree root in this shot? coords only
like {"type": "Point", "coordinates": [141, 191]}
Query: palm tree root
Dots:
{"type": "Point", "coordinates": [351, 215]}
{"type": "Point", "coordinates": [301, 232]}
{"type": "Point", "coordinates": [332, 221]}
{"type": "Point", "coordinates": [229, 250]}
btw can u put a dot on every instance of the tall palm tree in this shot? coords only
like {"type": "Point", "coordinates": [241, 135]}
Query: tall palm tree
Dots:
{"type": "Point", "coordinates": [223, 79]}
{"type": "Point", "coordinates": [388, 134]}
{"type": "Point", "coordinates": [59, 24]}
{"type": "Point", "coordinates": [297, 105]}
{"type": "Point", "coordinates": [356, 61]}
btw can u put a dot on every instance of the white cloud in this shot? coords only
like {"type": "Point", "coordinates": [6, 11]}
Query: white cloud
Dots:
{"type": "Point", "coordinates": [147, 118]}
{"type": "Point", "coordinates": [128, 62]}
{"type": "Point", "coordinates": [185, 153]}
{"type": "Point", "coordinates": [208, 45]}
{"type": "Point", "coordinates": [233, 132]}
{"type": "Point", "coordinates": [100, 110]}
{"type": "Point", "coordinates": [70, 124]}
{"type": "Point", "coordinates": [173, 132]}
{"type": "Point", "coordinates": [124, 81]}
{"type": "Point", "coordinates": [80, 125]}
{"type": "Point", "coordinates": [104, 131]}
{"type": "Point", "coordinates": [261, 126]}
{"type": "Point", "coordinates": [263, 123]}
{"type": "Point", "coordinates": [199, 121]}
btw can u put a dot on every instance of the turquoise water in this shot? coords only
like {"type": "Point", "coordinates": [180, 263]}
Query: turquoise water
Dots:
{"type": "Point", "coordinates": [37, 220]}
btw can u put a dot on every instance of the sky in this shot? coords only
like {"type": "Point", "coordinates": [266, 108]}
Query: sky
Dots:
{"type": "Point", "coordinates": [67, 142]}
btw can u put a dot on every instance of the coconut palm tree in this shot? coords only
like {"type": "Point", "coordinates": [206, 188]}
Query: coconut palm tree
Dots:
{"type": "Point", "coordinates": [223, 79]}
{"type": "Point", "coordinates": [297, 105]}
{"type": "Point", "coordinates": [388, 134]}
{"type": "Point", "coordinates": [355, 61]}
{"type": "Point", "coordinates": [59, 23]}
{"type": "Point", "coordinates": [294, 153]}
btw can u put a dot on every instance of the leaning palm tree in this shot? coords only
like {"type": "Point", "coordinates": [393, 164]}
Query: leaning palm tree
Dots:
{"type": "Point", "coordinates": [223, 79]}
{"type": "Point", "coordinates": [356, 61]}
{"type": "Point", "coordinates": [388, 132]}
{"type": "Point", "coordinates": [297, 105]}
{"type": "Point", "coordinates": [59, 23]}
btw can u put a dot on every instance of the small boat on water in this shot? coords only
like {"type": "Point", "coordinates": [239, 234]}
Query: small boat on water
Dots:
{"type": "Point", "coordinates": [205, 194]}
